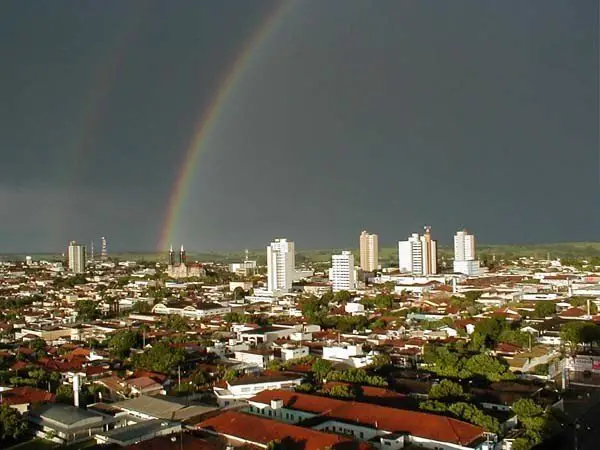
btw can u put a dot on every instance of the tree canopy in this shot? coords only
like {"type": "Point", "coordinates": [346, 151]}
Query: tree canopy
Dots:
{"type": "Point", "coordinates": [446, 390]}
{"type": "Point", "coordinates": [122, 342]}
{"type": "Point", "coordinates": [159, 358]}
{"type": "Point", "coordinates": [544, 309]}
{"type": "Point", "coordinates": [87, 310]}
{"type": "Point", "coordinates": [579, 332]}
{"type": "Point", "coordinates": [12, 424]}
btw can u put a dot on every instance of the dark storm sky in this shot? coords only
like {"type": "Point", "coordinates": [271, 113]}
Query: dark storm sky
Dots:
{"type": "Point", "coordinates": [384, 115]}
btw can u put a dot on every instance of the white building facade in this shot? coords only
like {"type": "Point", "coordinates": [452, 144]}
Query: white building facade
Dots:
{"type": "Point", "coordinates": [418, 254]}
{"type": "Point", "coordinates": [342, 273]}
{"type": "Point", "coordinates": [76, 257]}
{"type": "Point", "coordinates": [464, 254]}
{"type": "Point", "coordinates": [281, 263]}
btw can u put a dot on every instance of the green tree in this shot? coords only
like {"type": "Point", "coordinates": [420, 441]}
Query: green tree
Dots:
{"type": "Point", "coordinates": [342, 297]}
{"type": "Point", "coordinates": [87, 310]}
{"type": "Point", "coordinates": [446, 390]}
{"type": "Point", "coordinates": [525, 408]}
{"type": "Point", "coordinates": [380, 361]}
{"type": "Point", "coordinates": [489, 367]}
{"type": "Point", "coordinates": [176, 323]}
{"type": "Point", "coordinates": [472, 414]}
{"type": "Point", "coordinates": [64, 394]}
{"type": "Point", "coordinates": [37, 344]}
{"type": "Point", "coordinates": [159, 358]}
{"type": "Point", "coordinates": [433, 406]}
{"type": "Point", "coordinates": [12, 424]}
{"type": "Point", "coordinates": [522, 444]}
{"type": "Point", "coordinates": [321, 367]}
{"type": "Point", "coordinates": [445, 363]}
{"type": "Point", "coordinates": [121, 343]}
{"type": "Point", "coordinates": [141, 307]}
{"type": "Point", "coordinates": [487, 332]}
{"type": "Point", "coordinates": [342, 391]}
{"type": "Point", "coordinates": [579, 332]}
{"type": "Point", "coordinates": [544, 309]}
{"type": "Point", "coordinates": [580, 301]}
{"type": "Point", "coordinates": [537, 422]}
{"type": "Point", "coordinates": [305, 388]}
{"type": "Point", "coordinates": [200, 379]}
{"type": "Point", "coordinates": [231, 374]}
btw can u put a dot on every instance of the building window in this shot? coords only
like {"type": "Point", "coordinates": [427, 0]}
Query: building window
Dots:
{"type": "Point", "coordinates": [270, 413]}
{"type": "Point", "coordinates": [362, 435]}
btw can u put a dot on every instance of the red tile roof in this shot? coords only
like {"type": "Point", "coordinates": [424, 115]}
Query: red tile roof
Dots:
{"type": "Point", "coordinates": [572, 312]}
{"type": "Point", "coordinates": [25, 395]}
{"type": "Point", "coordinates": [262, 431]}
{"type": "Point", "coordinates": [429, 426]}
{"type": "Point", "coordinates": [144, 383]}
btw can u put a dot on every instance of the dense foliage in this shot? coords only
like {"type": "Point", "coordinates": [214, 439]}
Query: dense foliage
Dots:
{"type": "Point", "coordinates": [356, 376]}
{"type": "Point", "coordinates": [87, 310]}
{"type": "Point", "coordinates": [447, 363]}
{"type": "Point", "coordinates": [537, 423]}
{"type": "Point", "coordinates": [578, 332]}
{"type": "Point", "coordinates": [121, 343]}
{"type": "Point", "coordinates": [159, 358]}
{"type": "Point", "coordinates": [12, 424]}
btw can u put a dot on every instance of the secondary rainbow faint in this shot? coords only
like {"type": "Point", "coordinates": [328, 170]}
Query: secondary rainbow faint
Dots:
{"type": "Point", "coordinates": [210, 116]}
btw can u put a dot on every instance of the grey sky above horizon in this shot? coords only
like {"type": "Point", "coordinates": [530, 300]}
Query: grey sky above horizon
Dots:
{"type": "Point", "coordinates": [383, 115]}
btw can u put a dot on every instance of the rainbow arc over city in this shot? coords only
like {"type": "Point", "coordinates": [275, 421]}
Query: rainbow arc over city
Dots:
{"type": "Point", "coordinates": [209, 117]}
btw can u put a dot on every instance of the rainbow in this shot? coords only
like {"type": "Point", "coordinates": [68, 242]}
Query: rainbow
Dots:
{"type": "Point", "coordinates": [209, 118]}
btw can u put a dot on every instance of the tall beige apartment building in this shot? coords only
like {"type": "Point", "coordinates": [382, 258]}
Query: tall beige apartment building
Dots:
{"type": "Point", "coordinates": [369, 252]}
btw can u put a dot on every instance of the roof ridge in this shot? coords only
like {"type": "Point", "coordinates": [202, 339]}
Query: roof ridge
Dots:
{"type": "Point", "coordinates": [449, 419]}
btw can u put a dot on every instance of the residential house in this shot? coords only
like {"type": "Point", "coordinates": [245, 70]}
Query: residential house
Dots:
{"type": "Point", "coordinates": [236, 391]}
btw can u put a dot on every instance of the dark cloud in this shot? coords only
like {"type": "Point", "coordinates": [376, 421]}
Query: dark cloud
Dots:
{"type": "Point", "coordinates": [381, 115]}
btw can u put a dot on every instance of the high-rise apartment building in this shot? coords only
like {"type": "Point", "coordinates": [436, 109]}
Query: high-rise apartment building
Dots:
{"type": "Point", "coordinates": [464, 254]}
{"type": "Point", "coordinates": [464, 246]}
{"type": "Point", "coordinates": [418, 254]}
{"type": "Point", "coordinates": [281, 265]}
{"type": "Point", "coordinates": [341, 274]}
{"type": "Point", "coordinates": [369, 252]}
{"type": "Point", "coordinates": [76, 253]}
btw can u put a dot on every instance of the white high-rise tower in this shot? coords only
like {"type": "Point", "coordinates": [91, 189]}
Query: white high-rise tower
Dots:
{"type": "Point", "coordinates": [341, 274]}
{"type": "Point", "coordinates": [281, 265]}
{"type": "Point", "coordinates": [76, 257]}
{"type": "Point", "coordinates": [418, 254]}
{"type": "Point", "coordinates": [464, 254]}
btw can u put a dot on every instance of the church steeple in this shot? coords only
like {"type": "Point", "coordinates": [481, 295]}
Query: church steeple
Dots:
{"type": "Point", "coordinates": [171, 256]}
{"type": "Point", "coordinates": [182, 255]}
